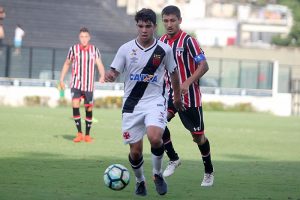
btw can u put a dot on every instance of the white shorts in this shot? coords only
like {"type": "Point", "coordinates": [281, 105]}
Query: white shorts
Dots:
{"type": "Point", "coordinates": [134, 124]}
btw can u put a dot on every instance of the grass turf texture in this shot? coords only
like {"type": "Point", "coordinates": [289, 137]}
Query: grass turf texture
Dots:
{"type": "Point", "coordinates": [256, 156]}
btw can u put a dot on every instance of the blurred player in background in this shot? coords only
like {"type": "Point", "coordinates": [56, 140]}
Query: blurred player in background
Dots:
{"type": "Point", "coordinates": [83, 58]}
{"type": "Point", "coordinates": [143, 62]}
{"type": "Point", "coordinates": [192, 66]}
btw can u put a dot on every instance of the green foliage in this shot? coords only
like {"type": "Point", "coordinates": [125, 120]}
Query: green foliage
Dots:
{"type": "Point", "coordinates": [63, 102]}
{"type": "Point", "coordinates": [108, 102]}
{"type": "Point", "coordinates": [36, 101]}
{"type": "Point", "coordinates": [281, 41]}
{"type": "Point", "coordinates": [293, 39]}
{"type": "Point", "coordinates": [218, 106]}
{"type": "Point", "coordinates": [213, 106]}
{"type": "Point", "coordinates": [32, 100]}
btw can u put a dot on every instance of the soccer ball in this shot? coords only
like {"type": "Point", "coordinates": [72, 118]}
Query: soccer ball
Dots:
{"type": "Point", "coordinates": [116, 177]}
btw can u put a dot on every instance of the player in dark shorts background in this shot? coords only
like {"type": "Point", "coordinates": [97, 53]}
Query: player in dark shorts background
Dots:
{"type": "Point", "coordinates": [192, 65]}
{"type": "Point", "coordinates": [83, 57]}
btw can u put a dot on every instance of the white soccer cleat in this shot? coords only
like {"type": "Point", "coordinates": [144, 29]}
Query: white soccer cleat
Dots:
{"type": "Point", "coordinates": [170, 169]}
{"type": "Point", "coordinates": [208, 180]}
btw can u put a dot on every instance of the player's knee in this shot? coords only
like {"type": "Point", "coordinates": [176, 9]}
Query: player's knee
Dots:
{"type": "Point", "coordinates": [199, 139]}
{"type": "Point", "coordinates": [155, 137]}
{"type": "Point", "coordinates": [89, 108]}
{"type": "Point", "coordinates": [155, 142]}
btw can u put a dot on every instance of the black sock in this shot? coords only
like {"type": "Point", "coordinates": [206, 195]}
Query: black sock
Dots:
{"type": "Point", "coordinates": [77, 119]}
{"type": "Point", "coordinates": [88, 122]}
{"type": "Point", "coordinates": [158, 151]}
{"type": "Point", "coordinates": [135, 164]}
{"type": "Point", "coordinates": [169, 149]}
{"type": "Point", "coordinates": [205, 151]}
{"type": "Point", "coordinates": [137, 167]}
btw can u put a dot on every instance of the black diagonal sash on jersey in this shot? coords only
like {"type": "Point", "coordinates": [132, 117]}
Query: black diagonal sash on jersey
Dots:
{"type": "Point", "coordinates": [139, 89]}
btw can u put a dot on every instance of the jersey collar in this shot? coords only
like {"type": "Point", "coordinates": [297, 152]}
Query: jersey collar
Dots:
{"type": "Point", "coordinates": [148, 48]}
{"type": "Point", "coordinates": [175, 37]}
{"type": "Point", "coordinates": [84, 49]}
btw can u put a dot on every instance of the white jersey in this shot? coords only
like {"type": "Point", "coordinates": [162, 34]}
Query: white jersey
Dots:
{"type": "Point", "coordinates": [143, 70]}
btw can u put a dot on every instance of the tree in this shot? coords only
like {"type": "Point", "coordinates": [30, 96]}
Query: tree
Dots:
{"type": "Point", "coordinates": [293, 38]}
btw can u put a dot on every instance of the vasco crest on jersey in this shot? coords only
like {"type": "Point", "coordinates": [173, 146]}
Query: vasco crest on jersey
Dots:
{"type": "Point", "coordinates": [156, 60]}
{"type": "Point", "coordinates": [133, 54]}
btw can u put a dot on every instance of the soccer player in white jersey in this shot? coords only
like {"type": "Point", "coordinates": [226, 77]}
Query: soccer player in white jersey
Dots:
{"type": "Point", "coordinates": [143, 62]}
{"type": "Point", "coordinates": [83, 57]}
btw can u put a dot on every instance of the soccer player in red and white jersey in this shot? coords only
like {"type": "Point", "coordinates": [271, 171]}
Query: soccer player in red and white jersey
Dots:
{"type": "Point", "coordinates": [192, 66]}
{"type": "Point", "coordinates": [83, 57]}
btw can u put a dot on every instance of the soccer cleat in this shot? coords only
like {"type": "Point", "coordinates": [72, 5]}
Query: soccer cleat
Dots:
{"type": "Point", "coordinates": [78, 138]}
{"type": "Point", "coordinates": [160, 184]}
{"type": "Point", "coordinates": [140, 189]}
{"type": "Point", "coordinates": [88, 138]}
{"type": "Point", "coordinates": [208, 180]}
{"type": "Point", "coordinates": [170, 169]}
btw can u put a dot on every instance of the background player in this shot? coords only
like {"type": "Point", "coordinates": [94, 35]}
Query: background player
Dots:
{"type": "Point", "coordinates": [83, 57]}
{"type": "Point", "coordinates": [192, 66]}
{"type": "Point", "coordinates": [143, 62]}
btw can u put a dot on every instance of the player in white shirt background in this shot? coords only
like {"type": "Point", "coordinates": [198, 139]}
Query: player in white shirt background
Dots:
{"type": "Point", "coordinates": [143, 62]}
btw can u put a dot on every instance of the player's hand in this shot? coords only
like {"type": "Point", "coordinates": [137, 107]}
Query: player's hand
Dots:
{"type": "Point", "coordinates": [101, 79]}
{"type": "Point", "coordinates": [178, 104]}
{"type": "Point", "coordinates": [184, 88]}
{"type": "Point", "coordinates": [110, 76]}
{"type": "Point", "coordinates": [62, 85]}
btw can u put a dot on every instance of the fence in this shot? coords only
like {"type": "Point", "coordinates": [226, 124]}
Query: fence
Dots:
{"type": "Point", "coordinates": [46, 64]}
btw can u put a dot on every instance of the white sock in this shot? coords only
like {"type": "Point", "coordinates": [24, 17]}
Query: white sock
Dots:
{"type": "Point", "coordinates": [139, 174]}
{"type": "Point", "coordinates": [157, 164]}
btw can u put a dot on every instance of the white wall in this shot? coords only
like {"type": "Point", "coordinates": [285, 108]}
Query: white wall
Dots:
{"type": "Point", "coordinates": [279, 104]}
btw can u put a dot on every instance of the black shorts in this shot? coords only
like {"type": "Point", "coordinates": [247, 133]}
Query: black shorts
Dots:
{"type": "Point", "coordinates": [87, 96]}
{"type": "Point", "coordinates": [192, 119]}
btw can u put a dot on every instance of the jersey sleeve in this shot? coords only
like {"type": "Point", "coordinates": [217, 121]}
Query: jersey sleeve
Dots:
{"type": "Point", "coordinates": [195, 51]}
{"type": "Point", "coordinates": [70, 55]}
{"type": "Point", "coordinates": [98, 54]}
{"type": "Point", "coordinates": [169, 60]}
{"type": "Point", "coordinates": [119, 60]}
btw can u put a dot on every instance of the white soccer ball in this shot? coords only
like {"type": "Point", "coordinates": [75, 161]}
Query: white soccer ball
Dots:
{"type": "Point", "coordinates": [116, 177]}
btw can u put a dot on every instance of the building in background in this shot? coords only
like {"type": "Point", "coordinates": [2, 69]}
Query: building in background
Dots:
{"type": "Point", "coordinates": [217, 23]}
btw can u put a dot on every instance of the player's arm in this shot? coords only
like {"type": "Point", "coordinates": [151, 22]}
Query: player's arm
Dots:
{"type": "Point", "coordinates": [64, 71]}
{"type": "Point", "coordinates": [176, 90]}
{"type": "Point", "coordinates": [202, 68]}
{"type": "Point", "coordinates": [111, 75]}
{"type": "Point", "coordinates": [198, 56]}
{"type": "Point", "coordinates": [100, 69]}
{"type": "Point", "coordinates": [117, 65]}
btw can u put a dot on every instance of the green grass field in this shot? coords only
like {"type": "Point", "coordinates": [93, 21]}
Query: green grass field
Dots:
{"type": "Point", "coordinates": [256, 156]}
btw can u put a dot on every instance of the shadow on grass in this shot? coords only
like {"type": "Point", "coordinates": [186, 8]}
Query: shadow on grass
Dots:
{"type": "Point", "coordinates": [51, 176]}
{"type": "Point", "coordinates": [66, 137]}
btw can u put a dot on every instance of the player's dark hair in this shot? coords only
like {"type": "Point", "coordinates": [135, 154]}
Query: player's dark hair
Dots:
{"type": "Point", "coordinates": [171, 10]}
{"type": "Point", "coordinates": [84, 29]}
{"type": "Point", "coordinates": [145, 15]}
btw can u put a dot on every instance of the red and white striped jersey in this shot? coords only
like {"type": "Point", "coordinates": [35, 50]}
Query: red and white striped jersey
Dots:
{"type": "Point", "coordinates": [83, 66]}
{"type": "Point", "coordinates": [185, 49]}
